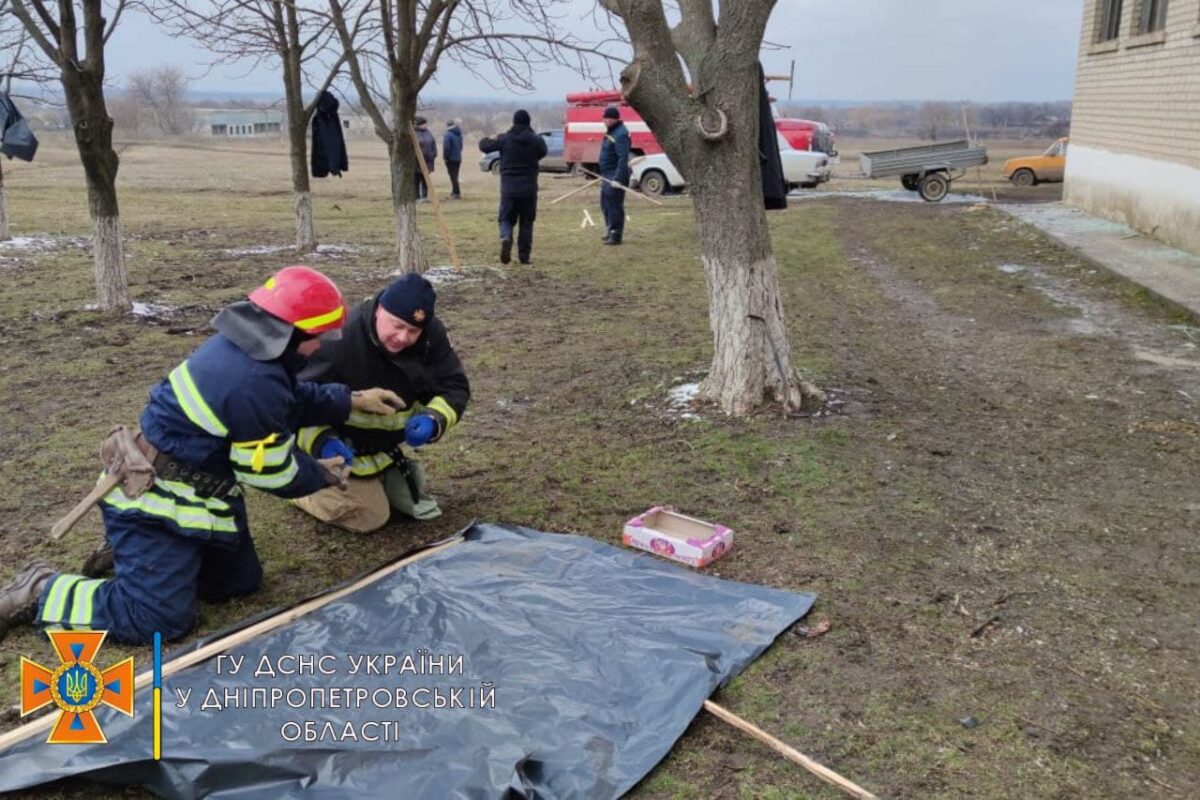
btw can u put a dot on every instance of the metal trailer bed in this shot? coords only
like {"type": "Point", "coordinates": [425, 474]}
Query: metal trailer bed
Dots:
{"type": "Point", "coordinates": [928, 168]}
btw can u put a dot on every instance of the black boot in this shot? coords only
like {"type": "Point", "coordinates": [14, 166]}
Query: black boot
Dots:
{"type": "Point", "coordinates": [19, 597]}
{"type": "Point", "coordinates": [99, 563]}
{"type": "Point", "coordinates": [506, 250]}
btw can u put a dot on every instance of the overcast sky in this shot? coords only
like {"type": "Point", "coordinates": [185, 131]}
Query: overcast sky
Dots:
{"type": "Point", "coordinates": [981, 50]}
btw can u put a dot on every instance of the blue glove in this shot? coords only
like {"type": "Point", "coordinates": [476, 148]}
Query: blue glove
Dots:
{"type": "Point", "coordinates": [336, 447]}
{"type": "Point", "coordinates": [421, 428]}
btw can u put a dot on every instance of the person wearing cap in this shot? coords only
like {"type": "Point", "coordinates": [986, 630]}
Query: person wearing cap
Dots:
{"type": "Point", "coordinates": [614, 169]}
{"type": "Point", "coordinates": [394, 340]}
{"type": "Point", "coordinates": [225, 418]}
{"type": "Point", "coordinates": [429, 153]}
{"type": "Point", "coordinates": [452, 145]}
{"type": "Point", "coordinates": [520, 151]}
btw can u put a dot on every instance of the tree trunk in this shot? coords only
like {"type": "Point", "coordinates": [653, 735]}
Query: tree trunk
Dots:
{"type": "Point", "coordinates": [5, 233]}
{"type": "Point", "coordinates": [306, 234]}
{"type": "Point", "coordinates": [752, 358]}
{"type": "Point", "coordinates": [93, 138]}
{"type": "Point", "coordinates": [410, 252]}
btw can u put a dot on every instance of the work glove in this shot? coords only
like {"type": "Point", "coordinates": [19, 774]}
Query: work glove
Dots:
{"type": "Point", "coordinates": [376, 401]}
{"type": "Point", "coordinates": [336, 447]}
{"type": "Point", "coordinates": [421, 429]}
{"type": "Point", "coordinates": [335, 471]}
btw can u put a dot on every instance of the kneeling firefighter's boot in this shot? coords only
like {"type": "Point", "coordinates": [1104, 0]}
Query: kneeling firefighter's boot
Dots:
{"type": "Point", "coordinates": [99, 563]}
{"type": "Point", "coordinates": [19, 597]}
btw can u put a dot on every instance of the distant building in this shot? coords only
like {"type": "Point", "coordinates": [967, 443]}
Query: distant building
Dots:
{"type": "Point", "coordinates": [1134, 155]}
{"type": "Point", "coordinates": [245, 123]}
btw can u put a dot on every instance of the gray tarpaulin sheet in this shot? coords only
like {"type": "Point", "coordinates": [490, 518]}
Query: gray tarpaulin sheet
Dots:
{"type": "Point", "coordinates": [599, 659]}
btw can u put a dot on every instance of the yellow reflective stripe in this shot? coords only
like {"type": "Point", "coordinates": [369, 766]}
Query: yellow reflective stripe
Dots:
{"type": "Point", "coordinates": [320, 319]}
{"type": "Point", "coordinates": [366, 466]}
{"type": "Point", "coordinates": [192, 402]}
{"type": "Point", "coordinates": [262, 455]}
{"type": "Point", "coordinates": [379, 422]}
{"type": "Point", "coordinates": [187, 492]}
{"type": "Point", "coordinates": [308, 437]}
{"type": "Point", "coordinates": [81, 608]}
{"type": "Point", "coordinates": [56, 601]}
{"type": "Point", "coordinates": [184, 516]}
{"type": "Point", "coordinates": [440, 405]}
{"type": "Point", "coordinates": [271, 480]}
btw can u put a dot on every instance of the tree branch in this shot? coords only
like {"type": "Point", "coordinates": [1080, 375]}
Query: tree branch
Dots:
{"type": "Point", "coordinates": [116, 18]}
{"type": "Point", "coordinates": [31, 27]}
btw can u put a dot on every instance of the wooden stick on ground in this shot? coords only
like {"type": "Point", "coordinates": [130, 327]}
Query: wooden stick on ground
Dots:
{"type": "Point", "coordinates": [590, 183]}
{"type": "Point", "coordinates": [576, 190]}
{"type": "Point", "coordinates": [790, 753]}
{"type": "Point", "coordinates": [433, 198]}
{"type": "Point", "coordinates": [211, 649]}
{"type": "Point", "coordinates": [625, 189]}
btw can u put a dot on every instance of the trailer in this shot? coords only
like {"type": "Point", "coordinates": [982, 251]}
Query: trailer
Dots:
{"type": "Point", "coordinates": [928, 168]}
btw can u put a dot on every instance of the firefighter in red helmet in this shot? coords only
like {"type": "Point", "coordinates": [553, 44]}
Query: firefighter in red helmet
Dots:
{"type": "Point", "coordinates": [224, 419]}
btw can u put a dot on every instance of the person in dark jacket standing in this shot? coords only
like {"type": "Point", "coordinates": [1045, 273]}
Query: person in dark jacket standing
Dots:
{"type": "Point", "coordinates": [393, 340]}
{"type": "Point", "coordinates": [429, 153]}
{"type": "Point", "coordinates": [225, 418]}
{"type": "Point", "coordinates": [328, 144]}
{"type": "Point", "coordinates": [614, 168]}
{"type": "Point", "coordinates": [452, 145]}
{"type": "Point", "coordinates": [520, 151]}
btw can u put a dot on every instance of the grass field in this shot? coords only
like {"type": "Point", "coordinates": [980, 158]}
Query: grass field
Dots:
{"type": "Point", "coordinates": [1000, 515]}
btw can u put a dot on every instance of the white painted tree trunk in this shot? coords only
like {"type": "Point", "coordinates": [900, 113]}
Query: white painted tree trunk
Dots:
{"type": "Point", "coordinates": [752, 358]}
{"type": "Point", "coordinates": [108, 254]}
{"type": "Point", "coordinates": [306, 234]}
{"type": "Point", "coordinates": [410, 253]}
{"type": "Point", "coordinates": [5, 233]}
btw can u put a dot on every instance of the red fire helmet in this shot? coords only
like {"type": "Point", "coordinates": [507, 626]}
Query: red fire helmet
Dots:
{"type": "Point", "coordinates": [304, 297]}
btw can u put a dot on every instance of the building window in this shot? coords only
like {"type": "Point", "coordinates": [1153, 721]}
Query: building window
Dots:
{"type": "Point", "coordinates": [1152, 16]}
{"type": "Point", "coordinates": [1110, 20]}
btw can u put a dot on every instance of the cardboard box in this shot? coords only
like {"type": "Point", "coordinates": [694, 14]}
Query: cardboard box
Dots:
{"type": "Point", "coordinates": [680, 538]}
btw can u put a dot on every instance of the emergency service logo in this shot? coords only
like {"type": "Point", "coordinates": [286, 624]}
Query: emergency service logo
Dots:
{"type": "Point", "coordinates": [77, 687]}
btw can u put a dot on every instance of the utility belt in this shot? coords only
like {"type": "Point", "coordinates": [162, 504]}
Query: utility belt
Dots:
{"type": "Point", "coordinates": [206, 484]}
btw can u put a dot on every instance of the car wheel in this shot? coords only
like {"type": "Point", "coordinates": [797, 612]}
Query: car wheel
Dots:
{"type": "Point", "coordinates": [495, 167]}
{"type": "Point", "coordinates": [910, 182]}
{"type": "Point", "coordinates": [576, 168]}
{"type": "Point", "coordinates": [654, 183]}
{"type": "Point", "coordinates": [934, 187]}
{"type": "Point", "coordinates": [1024, 177]}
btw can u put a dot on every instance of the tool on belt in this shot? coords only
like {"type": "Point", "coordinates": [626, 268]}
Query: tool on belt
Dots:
{"type": "Point", "coordinates": [404, 467]}
{"type": "Point", "coordinates": [133, 463]}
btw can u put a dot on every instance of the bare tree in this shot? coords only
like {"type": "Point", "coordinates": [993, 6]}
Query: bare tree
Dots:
{"type": "Point", "coordinates": [935, 118]}
{"type": "Point", "coordinates": [20, 62]}
{"type": "Point", "coordinates": [161, 91]}
{"type": "Point", "coordinates": [82, 77]}
{"type": "Point", "coordinates": [399, 45]}
{"type": "Point", "coordinates": [292, 31]}
{"type": "Point", "coordinates": [710, 132]}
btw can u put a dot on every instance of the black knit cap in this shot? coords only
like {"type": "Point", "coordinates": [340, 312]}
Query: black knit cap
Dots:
{"type": "Point", "coordinates": [521, 117]}
{"type": "Point", "coordinates": [612, 112]}
{"type": "Point", "coordinates": [411, 298]}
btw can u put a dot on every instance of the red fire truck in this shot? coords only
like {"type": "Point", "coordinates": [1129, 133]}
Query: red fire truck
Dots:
{"type": "Point", "coordinates": [584, 130]}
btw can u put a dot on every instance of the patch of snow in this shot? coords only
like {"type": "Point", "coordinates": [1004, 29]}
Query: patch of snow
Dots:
{"type": "Point", "coordinates": [262, 250]}
{"type": "Point", "coordinates": [683, 394]}
{"type": "Point", "coordinates": [152, 310]}
{"type": "Point", "coordinates": [885, 195]}
{"type": "Point", "coordinates": [1011, 269]}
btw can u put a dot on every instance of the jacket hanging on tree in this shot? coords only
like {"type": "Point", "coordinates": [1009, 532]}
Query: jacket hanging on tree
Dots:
{"type": "Point", "coordinates": [16, 139]}
{"type": "Point", "coordinates": [774, 185]}
{"type": "Point", "coordinates": [328, 145]}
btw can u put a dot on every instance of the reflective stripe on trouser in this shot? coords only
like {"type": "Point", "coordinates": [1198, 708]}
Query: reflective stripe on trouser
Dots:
{"type": "Point", "coordinates": [160, 575]}
{"type": "Point", "coordinates": [68, 601]}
